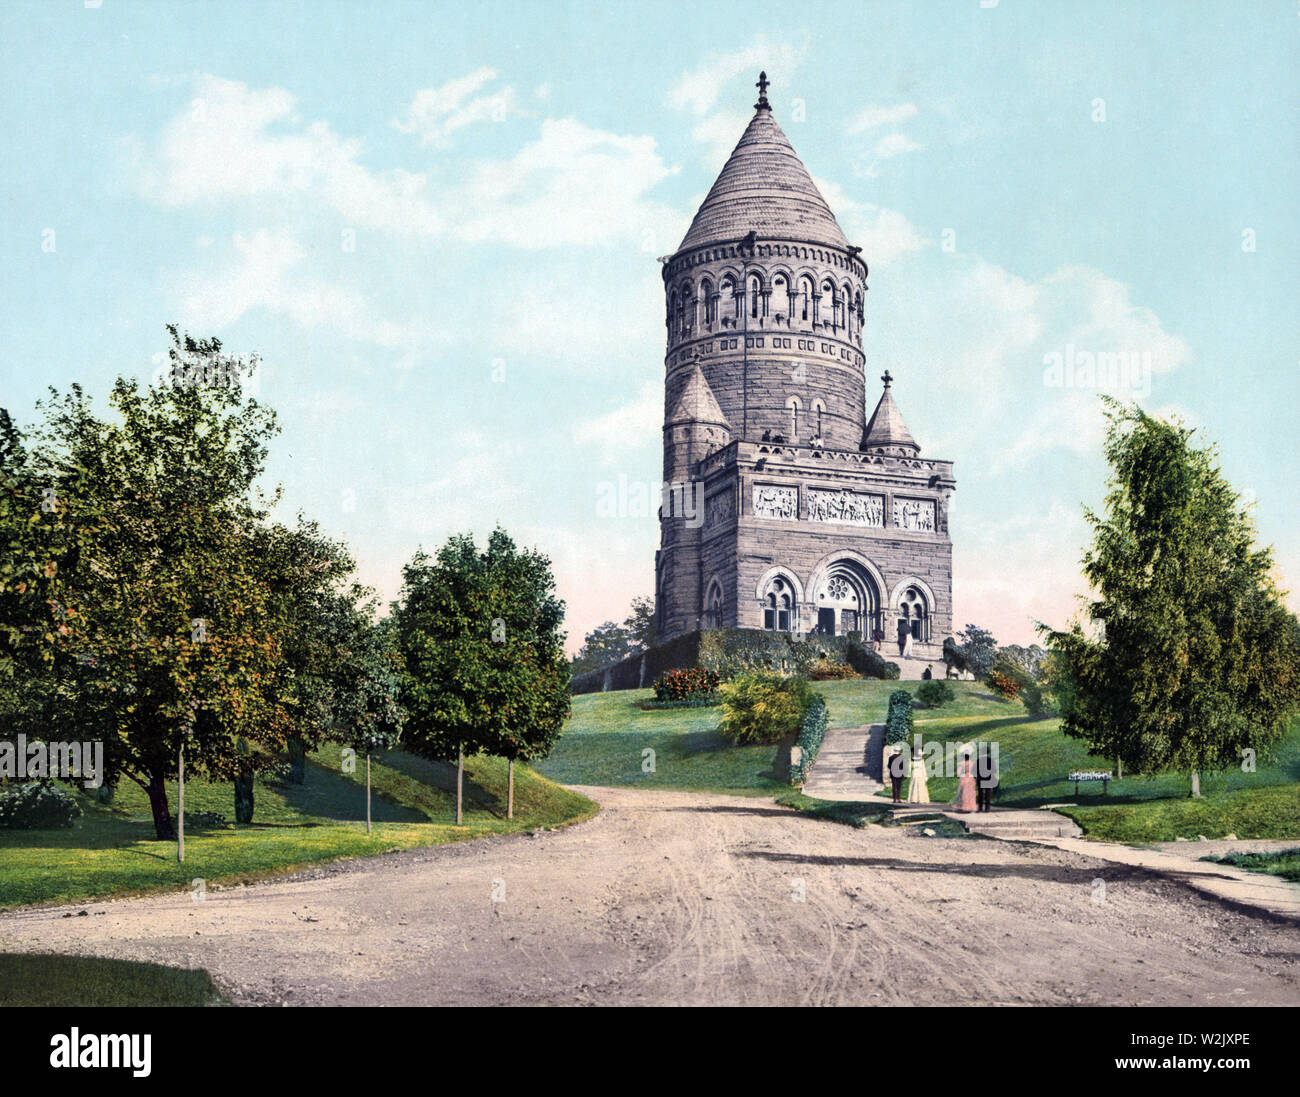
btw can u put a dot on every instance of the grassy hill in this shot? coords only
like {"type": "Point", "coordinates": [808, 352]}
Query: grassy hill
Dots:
{"type": "Point", "coordinates": [607, 734]}
{"type": "Point", "coordinates": [112, 850]}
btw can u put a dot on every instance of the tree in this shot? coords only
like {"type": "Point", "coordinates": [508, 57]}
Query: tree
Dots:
{"type": "Point", "coordinates": [610, 642]}
{"type": "Point", "coordinates": [1191, 657]}
{"type": "Point", "coordinates": [977, 649]}
{"type": "Point", "coordinates": [479, 633]}
{"type": "Point", "coordinates": [305, 574]}
{"type": "Point", "coordinates": [367, 710]}
{"type": "Point", "coordinates": [160, 633]}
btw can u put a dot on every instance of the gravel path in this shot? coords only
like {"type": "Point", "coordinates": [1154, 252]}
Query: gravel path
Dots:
{"type": "Point", "coordinates": [700, 899]}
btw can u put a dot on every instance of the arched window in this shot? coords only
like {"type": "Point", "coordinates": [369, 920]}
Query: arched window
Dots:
{"type": "Point", "coordinates": [793, 405]}
{"type": "Point", "coordinates": [828, 311]}
{"type": "Point", "coordinates": [805, 299]}
{"type": "Point", "coordinates": [710, 303]}
{"type": "Point", "coordinates": [777, 605]}
{"type": "Point", "coordinates": [916, 614]}
{"type": "Point", "coordinates": [730, 300]}
{"type": "Point", "coordinates": [781, 295]}
{"type": "Point", "coordinates": [713, 607]}
{"type": "Point", "coordinates": [818, 411]}
{"type": "Point", "coordinates": [755, 292]}
{"type": "Point", "coordinates": [672, 315]}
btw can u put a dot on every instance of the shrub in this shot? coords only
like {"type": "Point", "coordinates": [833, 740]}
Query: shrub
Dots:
{"type": "Point", "coordinates": [899, 722]}
{"type": "Point", "coordinates": [827, 670]}
{"type": "Point", "coordinates": [811, 733]}
{"type": "Point", "coordinates": [870, 664]}
{"type": "Point", "coordinates": [202, 819]}
{"type": "Point", "coordinates": [1003, 684]}
{"type": "Point", "coordinates": [935, 693]}
{"type": "Point", "coordinates": [37, 805]}
{"type": "Point", "coordinates": [764, 708]}
{"type": "Point", "coordinates": [688, 684]}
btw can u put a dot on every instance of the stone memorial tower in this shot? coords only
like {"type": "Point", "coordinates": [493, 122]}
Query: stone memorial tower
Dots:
{"type": "Point", "coordinates": [790, 509]}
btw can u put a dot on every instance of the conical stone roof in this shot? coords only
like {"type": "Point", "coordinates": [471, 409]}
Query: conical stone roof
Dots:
{"type": "Point", "coordinates": [764, 188]}
{"type": "Point", "coordinates": [886, 430]}
{"type": "Point", "coordinates": [697, 403]}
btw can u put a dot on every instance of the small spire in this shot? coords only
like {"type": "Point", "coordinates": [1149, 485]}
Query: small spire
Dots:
{"type": "Point", "coordinates": [886, 377]}
{"type": "Point", "coordinates": [762, 84]}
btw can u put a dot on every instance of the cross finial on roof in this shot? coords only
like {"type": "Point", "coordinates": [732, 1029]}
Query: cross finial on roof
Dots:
{"type": "Point", "coordinates": [886, 378]}
{"type": "Point", "coordinates": [762, 92]}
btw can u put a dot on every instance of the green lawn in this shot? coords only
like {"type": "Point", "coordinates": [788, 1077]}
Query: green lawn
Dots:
{"type": "Point", "coordinates": [112, 850]}
{"type": "Point", "coordinates": [43, 980]}
{"type": "Point", "coordinates": [607, 735]}
{"type": "Point", "coordinates": [1283, 862]}
{"type": "Point", "coordinates": [608, 732]}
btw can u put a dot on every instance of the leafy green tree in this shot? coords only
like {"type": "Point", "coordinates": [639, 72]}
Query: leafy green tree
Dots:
{"type": "Point", "coordinates": [1191, 658]}
{"type": "Point", "coordinates": [305, 575]}
{"type": "Point", "coordinates": [367, 710]}
{"type": "Point", "coordinates": [161, 631]}
{"type": "Point", "coordinates": [978, 650]}
{"type": "Point", "coordinates": [480, 635]}
{"type": "Point", "coordinates": [610, 642]}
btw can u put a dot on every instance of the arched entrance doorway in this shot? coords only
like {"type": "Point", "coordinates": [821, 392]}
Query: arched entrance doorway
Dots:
{"type": "Point", "coordinates": [847, 600]}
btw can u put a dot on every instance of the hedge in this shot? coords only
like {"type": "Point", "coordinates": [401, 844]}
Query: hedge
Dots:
{"type": "Point", "coordinates": [899, 720]}
{"type": "Point", "coordinates": [731, 652]}
{"type": "Point", "coordinates": [811, 734]}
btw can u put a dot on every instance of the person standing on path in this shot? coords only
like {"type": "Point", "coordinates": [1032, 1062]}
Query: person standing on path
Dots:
{"type": "Point", "coordinates": [966, 800]}
{"type": "Point", "coordinates": [918, 792]}
{"type": "Point", "coordinates": [987, 776]}
{"type": "Point", "coordinates": [897, 771]}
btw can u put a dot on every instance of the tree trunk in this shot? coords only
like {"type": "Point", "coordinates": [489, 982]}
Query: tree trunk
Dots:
{"type": "Point", "coordinates": [510, 795]}
{"type": "Point", "coordinates": [297, 762]}
{"type": "Point", "coordinates": [460, 782]}
{"type": "Point", "coordinates": [1196, 784]}
{"type": "Point", "coordinates": [162, 816]}
{"type": "Point", "coordinates": [104, 794]}
{"type": "Point", "coordinates": [1119, 769]}
{"type": "Point", "coordinates": [367, 792]}
{"type": "Point", "coordinates": [180, 803]}
{"type": "Point", "coordinates": [244, 798]}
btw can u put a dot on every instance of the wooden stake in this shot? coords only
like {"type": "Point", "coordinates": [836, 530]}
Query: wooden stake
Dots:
{"type": "Point", "coordinates": [180, 803]}
{"type": "Point", "coordinates": [367, 792]}
{"type": "Point", "coordinates": [460, 780]}
{"type": "Point", "coordinates": [510, 796]}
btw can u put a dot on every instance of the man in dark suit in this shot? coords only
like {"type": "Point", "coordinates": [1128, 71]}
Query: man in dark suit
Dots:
{"type": "Point", "coordinates": [897, 771]}
{"type": "Point", "coordinates": [986, 776]}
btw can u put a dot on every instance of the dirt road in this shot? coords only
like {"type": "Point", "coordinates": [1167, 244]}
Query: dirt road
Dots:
{"type": "Point", "coordinates": [691, 899]}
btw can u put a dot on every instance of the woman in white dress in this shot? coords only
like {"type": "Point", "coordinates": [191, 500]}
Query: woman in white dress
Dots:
{"type": "Point", "coordinates": [917, 791]}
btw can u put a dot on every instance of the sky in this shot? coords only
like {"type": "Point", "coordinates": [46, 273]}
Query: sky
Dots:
{"type": "Point", "coordinates": [439, 227]}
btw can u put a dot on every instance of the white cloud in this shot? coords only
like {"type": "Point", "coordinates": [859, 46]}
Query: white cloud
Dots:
{"type": "Point", "coordinates": [884, 235]}
{"type": "Point", "coordinates": [697, 91]}
{"type": "Point", "coordinates": [437, 113]}
{"type": "Point", "coordinates": [886, 148]}
{"type": "Point", "coordinates": [718, 133]}
{"type": "Point", "coordinates": [573, 185]}
{"type": "Point", "coordinates": [873, 116]}
{"type": "Point", "coordinates": [626, 427]}
{"type": "Point", "coordinates": [237, 143]}
{"type": "Point", "coordinates": [264, 275]}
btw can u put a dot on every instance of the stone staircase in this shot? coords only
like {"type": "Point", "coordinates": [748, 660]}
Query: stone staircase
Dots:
{"type": "Point", "coordinates": [848, 764]}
